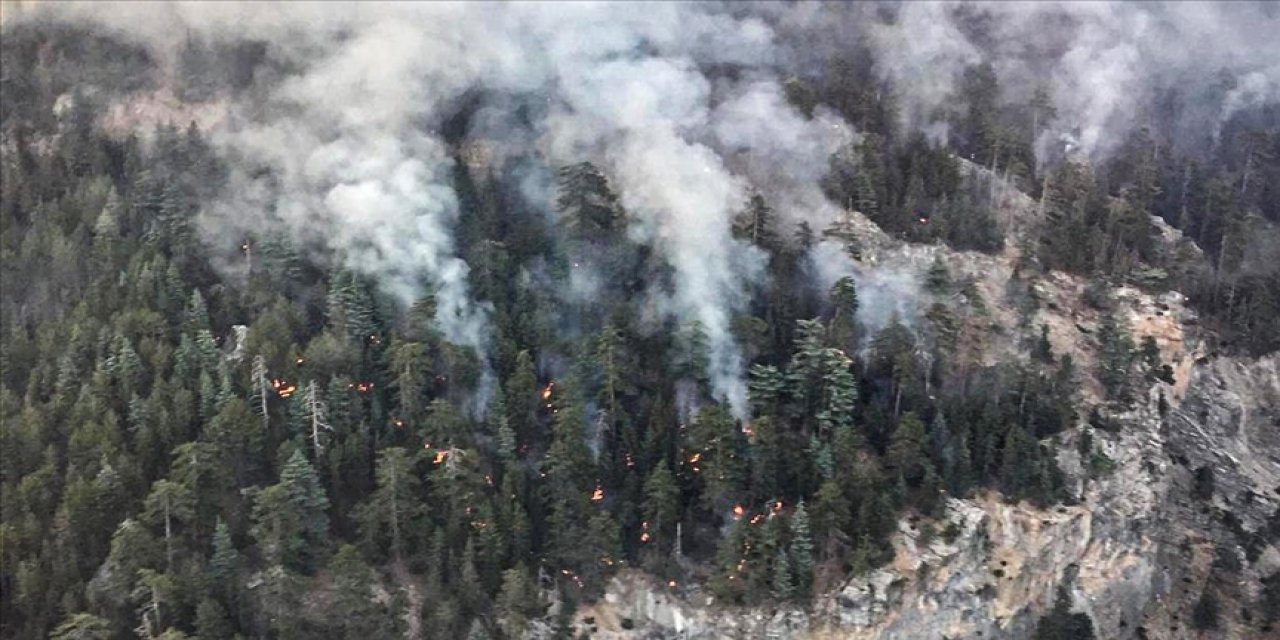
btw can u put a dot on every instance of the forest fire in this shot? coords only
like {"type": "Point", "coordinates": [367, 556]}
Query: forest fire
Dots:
{"type": "Point", "coordinates": [598, 494]}
{"type": "Point", "coordinates": [738, 511]}
{"type": "Point", "coordinates": [546, 393]}
{"type": "Point", "coordinates": [572, 576]}
{"type": "Point", "coordinates": [644, 532]}
{"type": "Point", "coordinates": [283, 388]}
{"type": "Point", "coordinates": [361, 387]}
{"type": "Point", "coordinates": [441, 455]}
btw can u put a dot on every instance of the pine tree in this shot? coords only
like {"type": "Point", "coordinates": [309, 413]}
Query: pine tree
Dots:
{"type": "Point", "coordinates": [755, 224]}
{"type": "Point", "coordinates": [290, 522]}
{"type": "Point", "coordinates": [410, 368]}
{"type": "Point", "coordinates": [692, 355]}
{"type": "Point", "coordinates": [224, 565]}
{"type": "Point", "coordinates": [196, 316]}
{"type": "Point", "coordinates": [393, 514]}
{"type": "Point", "coordinates": [937, 279]}
{"type": "Point", "coordinates": [765, 389]}
{"type": "Point", "coordinates": [169, 503]}
{"type": "Point", "coordinates": [262, 390]}
{"type": "Point", "coordinates": [587, 204]}
{"type": "Point", "coordinates": [801, 552]}
{"type": "Point", "coordinates": [843, 327]}
{"type": "Point", "coordinates": [314, 413]}
{"type": "Point", "coordinates": [1115, 357]}
{"type": "Point", "coordinates": [522, 396]}
{"type": "Point", "coordinates": [784, 587]}
{"type": "Point", "coordinates": [906, 452]}
{"type": "Point", "coordinates": [661, 503]}
{"type": "Point", "coordinates": [212, 621]}
{"type": "Point", "coordinates": [356, 613]}
{"type": "Point", "coordinates": [518, 601]}
{"type": "Point", "coordinates": [82, 626]}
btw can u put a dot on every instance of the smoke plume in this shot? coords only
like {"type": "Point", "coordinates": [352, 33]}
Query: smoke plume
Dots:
{"type": "Point", "coordinates": [682, 105]}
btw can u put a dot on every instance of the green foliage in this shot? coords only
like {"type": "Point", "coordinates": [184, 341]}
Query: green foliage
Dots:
{"type": "Point", "coordinates": [151, 455]}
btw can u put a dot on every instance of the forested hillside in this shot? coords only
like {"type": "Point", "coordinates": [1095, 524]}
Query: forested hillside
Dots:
{"type": "Point", "coordinates": [268, 443]}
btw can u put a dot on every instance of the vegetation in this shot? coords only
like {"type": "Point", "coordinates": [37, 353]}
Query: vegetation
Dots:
{"type": "Point", "coordinates": [166, 475]}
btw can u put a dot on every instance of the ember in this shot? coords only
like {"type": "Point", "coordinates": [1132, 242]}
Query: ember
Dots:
{"type": "Point", "coordinates": [283, 388]}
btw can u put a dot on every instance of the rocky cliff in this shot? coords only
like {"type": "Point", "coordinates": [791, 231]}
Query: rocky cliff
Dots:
{"type": "Point", "coordinates": [1142, 541]}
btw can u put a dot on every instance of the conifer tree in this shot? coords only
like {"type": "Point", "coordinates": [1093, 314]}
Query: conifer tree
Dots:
{"type": "Point", "coordinates": [661, 504]}
{"type": "Point", "coordinates": [1115, 357]}
{"type": "Point", "coordinates": [784, 587]}
{"type": "Point", "coordinates": [843, 327]}
{"type": "Point", "coordinates": [801, 552]}
{"type": "Point", "coordinates": [907, 452]}
{"type": "Point", "coordinates": [765, 389]}
{"type": "Point", "coordinates": [392, 516]}
{"type": "Point", "coordinates": [225, 563]}
{"type": "Point", "coordinates": [169, 504]}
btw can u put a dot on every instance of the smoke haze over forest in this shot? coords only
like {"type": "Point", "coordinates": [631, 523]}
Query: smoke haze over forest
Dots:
{"type": "Point", "coordinates": [344, 133]}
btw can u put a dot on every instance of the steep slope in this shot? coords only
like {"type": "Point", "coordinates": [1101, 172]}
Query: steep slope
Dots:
{"type": "Point", "coordinates": [1138, 548]}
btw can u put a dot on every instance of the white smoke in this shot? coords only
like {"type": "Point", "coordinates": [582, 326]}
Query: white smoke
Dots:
{"type": "Point", "coordinates": [356, 164]}
{"type": "Point", "coordinates": [885, 291]}
{"type": "Point", "coordinates": [680, 104]}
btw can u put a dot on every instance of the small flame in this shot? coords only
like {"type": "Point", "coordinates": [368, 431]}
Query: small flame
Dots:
{"type": "Point", "coordinates": [757, 519]}
{"type": "Point", "coordinates": [598, 494]}
{"type": "Point", "coordinates": [440, 456]}
{"type": "Point", "coordinates": [283, 388]}
{"type": "Point", "coordinates": [738, 511]}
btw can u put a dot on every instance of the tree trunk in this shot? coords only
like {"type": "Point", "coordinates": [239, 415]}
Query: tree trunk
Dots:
{"type": "Point", "coordinates": [168, 536]}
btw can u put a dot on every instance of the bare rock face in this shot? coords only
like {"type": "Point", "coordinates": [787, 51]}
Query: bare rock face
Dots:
{"type": "Point", "coordinates": [1137, 550]}
{"type": "Point", "coordinates": [1138, 546]}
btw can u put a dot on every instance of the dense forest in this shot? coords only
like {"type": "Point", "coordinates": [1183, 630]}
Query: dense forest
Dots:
{"type": "Point", "coordinates": [268, 445]}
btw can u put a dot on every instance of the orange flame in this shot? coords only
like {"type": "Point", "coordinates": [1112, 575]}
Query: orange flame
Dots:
{"type": "Point", "coordinates": [738, 511]}
{"type": "Point", "coordinates": [597, 495]}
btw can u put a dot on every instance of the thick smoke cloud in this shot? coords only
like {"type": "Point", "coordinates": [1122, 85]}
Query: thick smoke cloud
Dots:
{"type": "Point", "coordinates": [1106, 63]}
{"type": "Point", "coordinates": [681, 104]}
